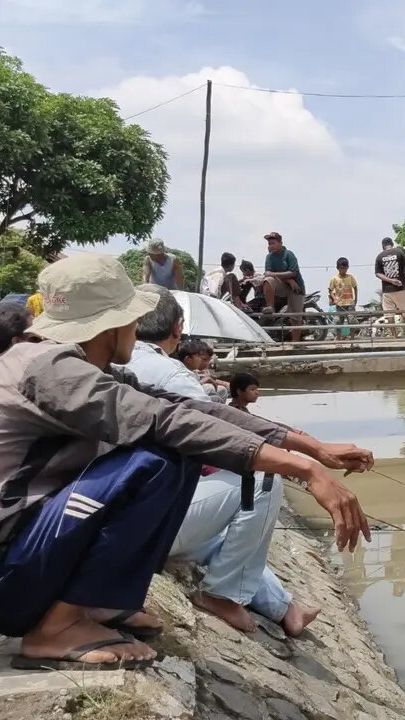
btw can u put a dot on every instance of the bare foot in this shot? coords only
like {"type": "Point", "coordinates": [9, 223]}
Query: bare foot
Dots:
{"type": "Point", "coordinates": [137, 620]}
{"type": "Point", "coordinates": [234, 614]}
{"type": "Point", "coordinates": [65, 628]}
{"type": "Point", "coordinates": [297, 618]}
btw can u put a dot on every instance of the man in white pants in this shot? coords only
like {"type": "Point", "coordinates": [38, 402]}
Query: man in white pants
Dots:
{"type": "Point", "coordinates": [232, 543]}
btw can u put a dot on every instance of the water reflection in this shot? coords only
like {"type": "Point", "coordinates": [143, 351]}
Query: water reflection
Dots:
{"type": "Point", "coordinates": [375, 573]}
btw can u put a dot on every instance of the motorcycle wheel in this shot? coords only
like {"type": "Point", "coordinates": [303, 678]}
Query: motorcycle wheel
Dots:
{"type": "Point", "coordinates": [279, 331]}
{"type": "Point", "coordinates": [314, 316]}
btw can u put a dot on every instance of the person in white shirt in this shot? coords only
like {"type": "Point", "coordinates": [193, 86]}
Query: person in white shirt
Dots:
{"type": "Point", "coordinates": [216, 533]}
{"type": "Point", "coordinates": [223, 283]}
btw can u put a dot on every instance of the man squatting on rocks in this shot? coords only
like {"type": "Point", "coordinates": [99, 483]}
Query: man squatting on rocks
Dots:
{"type": "Point", "coordinates": [85, 532]}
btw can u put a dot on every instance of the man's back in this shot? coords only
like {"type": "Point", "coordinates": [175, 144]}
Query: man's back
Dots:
{"type": "Point", "coordinates": [391, 263]}
{"type": "Point", "coordinates": [211, 283]}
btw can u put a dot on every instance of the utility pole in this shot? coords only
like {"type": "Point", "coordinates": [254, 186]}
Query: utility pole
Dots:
{"type": "Point", "coordinates": [204, 182]}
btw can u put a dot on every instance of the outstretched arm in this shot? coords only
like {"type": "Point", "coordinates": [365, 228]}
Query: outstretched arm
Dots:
{"type": "Point", "coordinates": [343, 507]}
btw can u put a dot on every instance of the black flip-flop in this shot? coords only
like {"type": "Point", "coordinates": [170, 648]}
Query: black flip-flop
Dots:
{"type": "Point", "coordinates": [72, 661]}
{"type": "Point", "coordinates": [140, 633]}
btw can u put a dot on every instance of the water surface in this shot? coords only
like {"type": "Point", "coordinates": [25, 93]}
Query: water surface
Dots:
{"type": "Point", "coordinates": [373, 418]}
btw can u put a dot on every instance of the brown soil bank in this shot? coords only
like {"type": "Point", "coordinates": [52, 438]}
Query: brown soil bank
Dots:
{"type": "Point", "coordinates": [211, 672]}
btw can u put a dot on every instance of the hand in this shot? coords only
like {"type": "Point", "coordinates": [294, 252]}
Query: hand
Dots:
{"type": "Point", "coordinates": [395, 282]}
{"type": "Point", "coordinates": [223, 383]}
{"type": "Point", "coordinates": [345, 457]}
{"type": "Point", "coordinates": [294, 286]}
{"type": "Point", "coordinates": [343, 507]}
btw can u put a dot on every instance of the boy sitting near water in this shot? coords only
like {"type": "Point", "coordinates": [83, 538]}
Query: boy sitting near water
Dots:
{"type": "Point", "coordinates": [244, 389]}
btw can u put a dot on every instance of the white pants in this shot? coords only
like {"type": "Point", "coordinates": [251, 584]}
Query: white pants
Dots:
{"type": "Point", "coordinates": [233, 544]}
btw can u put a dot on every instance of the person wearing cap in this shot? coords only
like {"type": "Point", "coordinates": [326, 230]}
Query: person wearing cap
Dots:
{"type": "Point", "coordinates": [84, 529]}
{"type": "Point", "coordinates": [283, 279]}
{"type": "Point", "coordinates": [162, 268]}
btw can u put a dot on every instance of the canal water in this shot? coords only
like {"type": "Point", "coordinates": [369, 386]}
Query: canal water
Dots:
{"type": "Point", "coordinates": [371, 413]}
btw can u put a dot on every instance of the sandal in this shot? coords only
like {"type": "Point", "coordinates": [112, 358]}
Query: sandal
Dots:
{"type": "Point", "coordinates": [140, 633]}
{"type": "Point", "coordinates": [71, 661]}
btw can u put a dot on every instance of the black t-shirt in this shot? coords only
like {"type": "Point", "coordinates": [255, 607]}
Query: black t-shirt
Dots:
{"type": "Point", "coordinates": [391, 263]}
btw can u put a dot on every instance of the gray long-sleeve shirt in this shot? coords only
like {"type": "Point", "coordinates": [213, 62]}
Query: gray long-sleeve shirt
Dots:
{"type": "Point", "coordinates": [56, 408]}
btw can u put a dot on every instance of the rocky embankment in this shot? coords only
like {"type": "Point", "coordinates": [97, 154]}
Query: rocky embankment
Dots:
{"type": "Point", "coordinates": [334, 672]}
{"type": "Point", "coordinates": [212, 672]}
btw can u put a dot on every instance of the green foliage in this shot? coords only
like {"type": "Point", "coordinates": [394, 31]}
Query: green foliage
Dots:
{"type": "Point", "coordinates": [399, 231]}
{"type": "Point", "coordinates": [133, 262]}
{"type": "Point", "coordinates": [71, 168]}
{"type": "Point", "coordinates": [19, 268]}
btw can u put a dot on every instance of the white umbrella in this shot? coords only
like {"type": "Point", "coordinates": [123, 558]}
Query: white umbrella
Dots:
{"type": "Point", "coordinates": [209, 317]}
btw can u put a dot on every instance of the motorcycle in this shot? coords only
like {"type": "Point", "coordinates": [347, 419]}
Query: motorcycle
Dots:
{"type": "Point", "coordinates": [277, 324]}
{"type": "Point", "coordinates": [368, 323]}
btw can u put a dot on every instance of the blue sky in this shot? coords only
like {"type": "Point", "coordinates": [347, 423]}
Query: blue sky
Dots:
{"type": "Point", "coordinates": [329, 174]}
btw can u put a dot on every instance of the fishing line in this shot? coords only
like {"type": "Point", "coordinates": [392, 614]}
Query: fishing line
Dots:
{"type": "Point", "coordinates": [387, 477]}
{"type": "Point", "coordinates": [392, 526]}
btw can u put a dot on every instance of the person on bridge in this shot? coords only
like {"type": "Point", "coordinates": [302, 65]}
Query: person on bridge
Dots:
{"type": "Point", "coordinates": [390, 269]}
{"type": "Point", "coordinates": [343, 295]}
{"type": "Point", "coordinates": [283, 279]}
{"type": "Point", "coordinates": [162, 268]}
{"type": "Point", "coordinates": [223, 283]}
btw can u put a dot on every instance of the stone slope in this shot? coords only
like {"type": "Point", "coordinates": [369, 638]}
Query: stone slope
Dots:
{"type": "Point", "coordinates": [335, 671]}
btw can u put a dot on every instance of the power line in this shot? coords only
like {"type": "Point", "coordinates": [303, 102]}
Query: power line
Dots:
{"type": "Point", "coordinates": [274, 91]}
{"type": "Point", "coordinates": [347, 96]}
{"type": "Point", "coordinates": [164, 102]}
{"type": "Point", "coordinates": [307, 267]}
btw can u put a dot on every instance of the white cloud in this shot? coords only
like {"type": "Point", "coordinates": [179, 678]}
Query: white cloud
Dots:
{"type": "Point", "coordinates": [243, 120]}
{"type": "Point", "coordinates": [273, 165]}
{"type": "Point", "coordinates": [397, 42]}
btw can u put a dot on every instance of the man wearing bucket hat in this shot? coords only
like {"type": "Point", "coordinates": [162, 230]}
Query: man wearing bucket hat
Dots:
{"type": "Point", "coordinates": [162, 268]}
{"type": "Point", "coordinates": [84, 532]}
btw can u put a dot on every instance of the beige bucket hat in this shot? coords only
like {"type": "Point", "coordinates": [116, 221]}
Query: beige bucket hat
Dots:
{"type": "Point", "coordinates": [156, 246]}
{"type": "Point", "coordinates": [84, 295]}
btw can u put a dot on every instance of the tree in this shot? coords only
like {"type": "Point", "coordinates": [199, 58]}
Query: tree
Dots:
{"type": "Point", "coordinates": [133, 261]}
{"type": "Point", "coordinates": [71, 169]}
{"type": "Point", "coordinates": [399, 231]}
{"type": "Point", "coordinates": [19, 268]}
